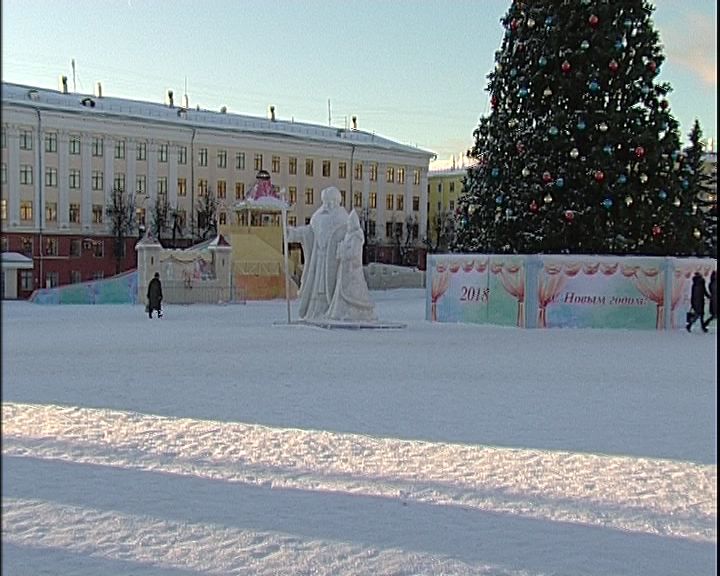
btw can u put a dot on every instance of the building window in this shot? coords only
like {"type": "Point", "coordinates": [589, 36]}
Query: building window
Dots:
{"type": "Point", "coordinates": [97, 146]}
{"type": "Point", "coordinates": [75, 277]}
{"type": "Point", "coordinates": [373, 200]}
{"type": "Point", "coordinates": [98, 274]}
{"type": "Point", "coordinates": [357, 199]}
{"type": "Point", "coordinates": [140, 186]}
{"type": "Point", "coordinates": [373, 172]}
{"type": "Point", "coordinates": [343, 198]}
{"type": "Point", "coordinates": [51, 142]}
{"type": "Point", "coordinates": [416, 177]}
{"type": "Point", "coordinates": [452, 186]}
{"type": "Point", "coordinates": [3, 213]}
{"type": "Point", "coordinates": [141, 151]}
{"type": "Point", "coordinates": [452, 205]}
{"type": "Point", "coordinates": [140, 216]}
{"type": "Point", "coordinates": [276, 164]}
{"type": "Point", "coordinates": [26, 280]}
{"type": "Point", "coordinates": [416, 203]}
{"type": "Point", "coordinates": [239, 190]}
{"type": "Point", "coordinates": [119, 182]}
{"type": "Point", "coordinates": [51, 211]}
{"type": "Point", "coordinates": [74, 145]}
{"type": "Point", "coordinates": [163, 153]}
{"type": "Point", "coordinates": [97, 214]}
{"type": "Point", "coordinates": [182, 154]}
{"type": "Point", "coordinates": [390, 174]}
{"type": "Point", "coordinates": [326, 168]}
{"type": "Point", "coordinates": [99, 250]}
{"type": "Point", "coordinates": [309, 167]}
{"type": "Point", "coordinates": [3, 173]}
{"type": "Point", "coordinates": [400, 203]}
{"type": "Point", "coordinates": [25, 140]}
{"type": "Point", "coordinates": [292, 166]}
{"type": "Point", "coordinates": [26, 174]}
{"type": "Point", "coordinates": [293, 194]}
{"type": "Point", "coordinates": [358, 171]}
{"type": "Point", "coordinates": [26, 210]}
{"type": "Point", "coordinates": [75, 248]}
{"type": "Point", "coordinates": [162, 187]}
{"type": "Point", "coordinates": [97, 180]}
{"type": "Point", "coordinates": [342, 170]}
{"type": "Point", "coordinates": [258, 162]}
{"type": "Point", "coordinates": [202, 187]}
{"type": "Point", "coordinates": [51, 279]}
{"type": "Point", "coordinates": [120, 149]}
{"type": "Point", "coordinates": [74, 178]}
{"type": "Point", "coordinates": [223, 218]}
{"type": "Point", "coordinates": [292, 220]}
{"type": "Point", "coordinates": [51, 247]}
{"type": "Point", "coordinates": [389, 202]}
{"type": "Point", "coordinates": [74, 213]}
{"type": "Point", "coordinates": [182, 187]}
{"type": "Point", "coordinates": [221, 188]}
{"type": "Point", "coordinates": [51, 176]}
{"type": "Point", "coordinates": [222, 159]}
{"type": "Point", "coordinates": [26, 246]}
{"type": "Point", "coordinates": [439, 188]}
{"type": "Point", "coordinates": [309, 196]}
{"type": "Point", "coordinates": [401, 175]}
{"type": "Point", "coordinates": [240, 160]}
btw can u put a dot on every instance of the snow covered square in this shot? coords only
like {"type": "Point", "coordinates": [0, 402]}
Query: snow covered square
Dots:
{"type": "Point", "coordinates": [221, 440]}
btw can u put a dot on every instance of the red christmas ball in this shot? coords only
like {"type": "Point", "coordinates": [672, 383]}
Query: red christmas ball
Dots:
{"type": "Point", "coordinates": [494, 101]}
{"type": "Point", "coordinates": [533, 207]}
{"type": "Point", "coordinates": [656, 230]}
{"type": "Point", "coordinates": [639, 151]}
{"type": "Point", "coordinates": [520, 147]}
{"type": "Point", "coordinates": [599, 176]}
{"type": "Point", "coordinates": [565, 67]}
{"type": "Point", "coordinates": [663, 104]}
{"type": "Point", "coordinates": [514, 24]}
{"type": "Point", "coordinates": [569, 215]}
{"type": "Point", "coordinates": [651, 66]}
{"type": "Point", "coordinates": [613, 66]}
{"type": "Point", "coordinates": [593, 20]}
{"type": "Point", "coordinates": [547, 177]}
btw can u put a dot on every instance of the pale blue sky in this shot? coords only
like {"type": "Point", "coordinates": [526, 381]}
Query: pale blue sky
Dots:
{"type": "Point", "coordinates": [411, 70]}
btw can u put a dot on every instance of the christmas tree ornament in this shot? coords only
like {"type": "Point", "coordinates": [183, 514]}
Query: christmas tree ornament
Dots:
{"type": "Point", "coordinates": [628, 201]}
{"type": "Point", "coordinates": [685, 184]}
{"type": "Point", "coordinates": [581, 125]}
{"type": "Point", "coordinates": [643, 178]}
{"type": "Point", "coordinates": [553, 131]}
{"type": "Point", "coordinates": [533, 207]}
{"type": "Point", "coordinates": [542, 61]}
{"type": "Point", "coordinates": [512, 122]}
{"type": "Point", "coordinates": [639, 152]}
{"type": "Point", "coordinates": [656, 230]}
{"type": "Point", "coordinates": [628, 23]}
{"type": "Point", "coordinates": [525, 172]}
{"type": "Point", "coordinates": [599, 176]}
{"type": "Point", "coordinates": [608, 149]}
{"type": "Point", "coordinates": [663, 104]}
{"type": "Point", "coordinates": [547, 199]}
{"type": "Point", "coordinates": [645, 90]}
{"type": "Point", "coordinates": [523, 92]}
{"type": "Point", "coordinates": [662, 195]}
{"type": "Point", "coordinates": [694, 209]}
{"type": "Point", "coordinates": [498, 199]}
{"type": "Point", "coordinates": [565, 67]}
{"type": "Point", "coordinates": [547, 177]}
{"type": "Point", "coordinates": [622, 179]}
{"type": "Point", "coordinates": [548, 21]}
{"type": "Point", "coordinates": [594, 86]}
{"type": "Point", "coordinates": [697, 234]}
{"type": "Point", "coordinates": [508, 213]}
{"type": "Point", "coordinates": [593, 20]}
{"type": "Point", "coordinates": [607, 203]}
{"type": "Point", "coordinates": [513, 72]}
{"type": "Point", "coordinates": [495, 172]}
{"type": "Point", "coordinates": [676, 202]}
{"type": "Point", "coordinates": [520, 147]}
{"type": "Point", "coordinates": [619, 45]}
{"type": "Point", "coordinates": [560, 182]}
{"type": "Point", "coordinates": [531, 23]}
{"type": "Point", "coordinates": [569, 215]}
{"type": "Point", "coordinates": [652, 66]}
{"type": "Point", "coordinates": [547, 92]}
{"type": "Point", "coordinates": [584, 45]}
{"type": "Point", "coordinates": [613, 65]}
{"type": "Point", "coordinates": [603, 127]}
{"type": "Point", "coordinates": [514, 24]}
{"type": "Point", "coordinates": [574, 153]}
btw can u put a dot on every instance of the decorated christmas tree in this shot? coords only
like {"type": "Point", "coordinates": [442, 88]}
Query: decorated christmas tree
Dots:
{"type": "Point", "coordinates": [579, 152]}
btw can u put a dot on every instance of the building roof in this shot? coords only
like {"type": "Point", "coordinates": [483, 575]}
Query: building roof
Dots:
{"type": "Point", "coordinates": [16, 260]}
{"type": "Point", "coordinates": [108, 106]}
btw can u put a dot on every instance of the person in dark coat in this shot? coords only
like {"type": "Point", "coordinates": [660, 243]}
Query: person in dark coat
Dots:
{"type": "Point", "coordinates": [698, 292]}
{"type": "Point", "coordinates": [712, 289]}
{"type": "Point", "coordinates": [155, 296]}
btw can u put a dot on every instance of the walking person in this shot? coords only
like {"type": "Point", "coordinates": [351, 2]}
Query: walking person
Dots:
{"type": "Point", "coordinates": [698, 292]}
{"type": "Point", "coordinates": [155, 296]}
{"type": "Point", "coordinates": [712, 290]}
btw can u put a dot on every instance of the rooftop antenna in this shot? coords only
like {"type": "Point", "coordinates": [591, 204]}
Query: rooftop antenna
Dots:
{"type": "Point", "coordinates": [329, 116]}
{"type": "Point", "coordinates": [73, 69]}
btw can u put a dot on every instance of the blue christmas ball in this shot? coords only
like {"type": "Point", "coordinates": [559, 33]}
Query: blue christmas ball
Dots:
{"type": "Point", "coordinates": [523, 92]}
{"type": "Point", "coordinates": [548, 21]}
{"type": "Point", "coordinates": [662, 195]}
{"type": "Point", "coordinates": [594, 86]}
{"type": "Point", "coordinates": [607, 149]}
{"type": "Point", "coordinates": [560, 182]}
{"type": "Point", "coordinates": [498, 199]}
{"type": "Point", "coordinates": [581, 125]}
{"type": "Point", "coordinates": [585, 45]}
{"type": "Point", "coordinates": [685, 184]}
{"type": "Point", "coordinates": [619, 45]}
{"type": "Point", "coordinates": [495, 172]}
{"type": "Point", "coordinates": [542, 61]}
{"type": "Point", "coordinates": [622, 179]}
{"type": "Point", "coordinates": [607, 203]}
{"type": "Point", "coordinates": [553, 131]}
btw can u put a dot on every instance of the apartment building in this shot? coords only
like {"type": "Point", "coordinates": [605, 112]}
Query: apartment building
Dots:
{"type": "Point", "coordinates": [63, 155]}
{"type": "Point", "coordinates": [444, 190]}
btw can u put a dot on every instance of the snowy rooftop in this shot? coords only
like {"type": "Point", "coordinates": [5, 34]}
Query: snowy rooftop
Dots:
{"type": "Point", "coordinates": [47, 99]}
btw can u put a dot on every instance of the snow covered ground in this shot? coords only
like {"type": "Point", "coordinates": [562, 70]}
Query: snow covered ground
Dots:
{"type": "Point", "coordinates": [221, 440]}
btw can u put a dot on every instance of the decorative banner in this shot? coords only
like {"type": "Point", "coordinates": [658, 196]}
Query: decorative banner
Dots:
{"type": "Point", "coordinates": [562, 291]}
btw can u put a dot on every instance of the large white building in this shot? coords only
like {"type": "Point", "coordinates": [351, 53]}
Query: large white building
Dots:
{"type": "Point", "coordinates": [64, 153]}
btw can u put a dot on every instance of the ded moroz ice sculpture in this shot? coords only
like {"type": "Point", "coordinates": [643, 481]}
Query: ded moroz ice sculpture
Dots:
{"type": "Point", "coordinates": [319, 241]}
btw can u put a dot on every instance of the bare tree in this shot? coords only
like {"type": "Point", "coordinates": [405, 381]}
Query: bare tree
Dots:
{"type": "Point", "coordinates": [121, 212]}
{"type": "Point", "coordinates": [207, 215]}
{"type": "Point", "coordinates": [160, 216]}
{"type": "Point", "coordinates": [442, 228]}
